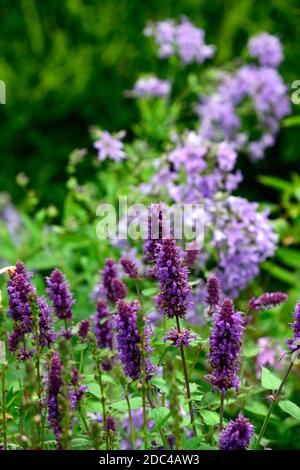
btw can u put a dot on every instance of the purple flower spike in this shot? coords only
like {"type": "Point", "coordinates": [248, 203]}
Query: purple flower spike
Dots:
{"type": "Point", "coordinates": [83, 329]}
{"type": "Point", "coordinates": [174, 297]}
{"type": "Point", "coordinates": [267, 300]}
{"type": "Point", "coordinates": [103, 326]}
{"type": "Point", "coordinates": [130, 268]}
{"type": "Point", "coordinates": [47, 334]}
{"type": "Point", "coordinates": [213, 292]}
{"type": "Point", "coordinates": [128, 338]}
{"type": "Point", "coordinates": [180, 339]}
{"type": "Point", "coordinates": [236, 435]}
{"type": "Point", "coordinates": [59, 292]}
{"type": "Point", "coordinates": [111, 424]}
{"type": "Point", "coordinates": [19, 289]}
{"type": "Point", "coordinates": [294, 343]}
{"type": "Point", "coordinates": [54, 386]}
{"type": "Point", "coordinates": [224, 347]}
{"type": "Point", "coordinates": [118, 290]}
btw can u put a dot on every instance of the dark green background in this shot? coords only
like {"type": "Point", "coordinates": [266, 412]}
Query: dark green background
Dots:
{"type": "Point", "coordinates": [66, 64]}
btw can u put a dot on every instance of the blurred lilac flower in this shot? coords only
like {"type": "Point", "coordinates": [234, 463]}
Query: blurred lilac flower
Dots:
{"type": "Point", "coordinates": [83, 329]}
{"type": "Point", "coordinates": [267, 300]}
{"type": "Point", "coordinates": [269, 355]}
{"type": "Point", "coordinates": [267, 49]}
{"type": "Point", "coordinates": [151, 86]}
{"type": "Point", "coordinates": [109, 147]}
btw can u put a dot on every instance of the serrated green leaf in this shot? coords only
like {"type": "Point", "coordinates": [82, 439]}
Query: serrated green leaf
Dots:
{"type": "Point", "coordinates": [210, 418]}
{"type": "Point", "coordinates": [192, 443]}
{"type": "Point", "coordinates": [269, 380]}
{"type": "Point", "coordinates": [160, 416]}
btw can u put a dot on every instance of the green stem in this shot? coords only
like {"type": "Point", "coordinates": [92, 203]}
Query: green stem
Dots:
{"type": "Point", "coordinates": [274, 401]}
{"type": "Point", "coordinates": [162, 435]}
{"type": "Point", "coordinates": [221, 411]}
{"type": "Point", "coordinates": [187, 384]}
{"type": "Point", "coordinates": [4, 421]}
{"type": "Point", "coordinates": [102, 398]}
{"type": "Point", "coordinates": [81, 361]}
{"type": "Point", "coordinates": [130, 418]}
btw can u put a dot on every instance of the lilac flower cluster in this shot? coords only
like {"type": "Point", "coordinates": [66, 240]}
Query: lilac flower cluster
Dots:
{"type": "Point", "coordinates": [59, 292]}
{"type": "Point", "coordinates": [103, 326]}
{"type": "Point", "coordinates": [182, 39]}
{"type": "Point", "coordinates": [267, 49]}
{"type": "Point", "coordinates": [221, 113]}
{"type": "Point", "coordinates": [242, 238]}
{"type": "Point", "coordinates": [294, 344]}
{"type": "Point", "coordinates": [109, 146]}
{"type": "Point", "coordinates": [76, 390]}
{"type": "Point", "coordinates": [128, 338]}
{"type": "Point", "coordinates": [151, 87]}
{"type": "Point", "coordinates": [236, 435]}
{"type": "Point", "coordinates": [266, 301]}
{"type": "Point", "coordinates": [224, 347]}
{"type": "Point", "coordinates": [182, 338]}
{"type": "Point", "coordinates": [175, 292]}
{"type": "Point", "coordinates": [207, 168]}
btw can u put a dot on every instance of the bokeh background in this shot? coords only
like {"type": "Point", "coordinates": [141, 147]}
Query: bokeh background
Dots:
{"type": "Point", "coordinates": [66, 64]}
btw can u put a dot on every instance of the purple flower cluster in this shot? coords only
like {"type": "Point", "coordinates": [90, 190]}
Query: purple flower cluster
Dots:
{"type": "Point", "coordinates": [175, 292]}
{"type": "Point", "coordinates": [128, 338]}
{"type": "Point", "coordinates": [103, 326]}
{"type": "Point", "coordinates": [182, 338]}
{"type": "Point", "coordinates": [182, 39]}
{"type": "Point", "coordinates": [151, 87]}
{"type": "Point", "coordinates": [111, 424]}
{"type": "Point", "coordinates": [267, 49]}
{"type": "Point", "coordinates": [294, 344]}
{"type": "Point", "coordinates": [109, 146]}
{"type": "Point", "coordinates": [224, 347]}
{"type": "Point", "coordinates": [236, 435]}
{"type": "Point", "coordinates": [59, 292]}
{"type": "Point", "coordinates": [266, 301]}
{"type": "Point", "coordinates": [76, 390]}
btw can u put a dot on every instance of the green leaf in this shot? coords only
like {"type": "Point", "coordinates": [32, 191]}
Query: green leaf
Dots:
{"type": "Point", "coordinates": [211, 418]}
{"type": "Point", "coordinates": [79, 442]}
{"type": "Point", "coordinates": [275, 183]}
{"type": "Point", "coordinates": [150, 291]}
{"type": "Point", "coordinates": [251, 350]}
{"type": "Point", "coordinates": [269, 380]}
{"type": "Point", "coordinates": [257, 408]}
{"type": "Point", "coordinates": [291, 408]}
{"type": "Point", "coordinates": [160, 383]}
{"type": "Point", "coordinates": [160, 416]}
{"type": "Point", "coordinates": [135, 404]}
{"type": "Point", "coordinates": [192, 443]}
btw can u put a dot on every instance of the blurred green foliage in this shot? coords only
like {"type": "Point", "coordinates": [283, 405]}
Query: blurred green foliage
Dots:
{"type": "Point", "coordinates": [67, 63]}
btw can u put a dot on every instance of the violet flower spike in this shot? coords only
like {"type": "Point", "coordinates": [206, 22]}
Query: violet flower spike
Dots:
{"type": "Point", "coordinates": [128, 338]}
{"type": "Point", "coordinates": [294, 343]}
{"type": "Point", "coordinates": [236, 435]}
{"type": "Point", "coordinates": [175, 292]}
{"type": "Point", "coordinates": [129, 267]}
{"type": "Point", "coordinates": [266, 301]}
{"type": "Point", "coordinates": [224, 347]}
{"type": "Point", "coordinates": [83, 329]}
{"type": "Point", "coordinates": [213, 292]}
{"type": "Point", "coordinates": [59, 292]}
